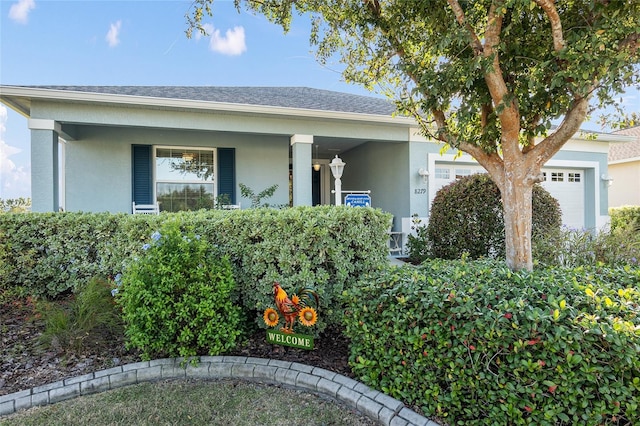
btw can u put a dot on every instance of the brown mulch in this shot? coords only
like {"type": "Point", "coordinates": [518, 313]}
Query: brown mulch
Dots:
{"type": "Point", "coordinates": [25, 362]}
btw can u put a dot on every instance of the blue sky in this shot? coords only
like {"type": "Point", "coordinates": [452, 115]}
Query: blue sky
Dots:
{"type": "Point", "coordinates": [143, 42]}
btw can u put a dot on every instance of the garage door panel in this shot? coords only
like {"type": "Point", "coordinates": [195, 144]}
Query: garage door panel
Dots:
{"type": "Point", "coordinates": [565, 185]}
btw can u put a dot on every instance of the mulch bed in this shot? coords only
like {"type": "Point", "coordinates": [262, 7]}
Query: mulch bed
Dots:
{"type": "Point", "coordinates": [25, 362]}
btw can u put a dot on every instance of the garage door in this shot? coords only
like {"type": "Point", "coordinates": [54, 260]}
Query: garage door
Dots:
{"type": "Point", "coordinates": [565, 185]}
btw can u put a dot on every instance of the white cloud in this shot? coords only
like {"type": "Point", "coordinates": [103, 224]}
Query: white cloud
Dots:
{"type": "Point", "coordinates": [113, 36]}
{"type": "Point", "coordinates": [15, 181]}
{"type": "Point", "coordinates": [232, 43]}
{"type": "Point", "coordinates": [19, 11]}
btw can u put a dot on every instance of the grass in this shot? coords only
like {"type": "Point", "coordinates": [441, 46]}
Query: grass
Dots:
{"type": "Point", "coordinates": [189, 402]}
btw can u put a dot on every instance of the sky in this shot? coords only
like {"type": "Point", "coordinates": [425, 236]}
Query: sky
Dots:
{"type": "Point", "coordinates": [143, 42]}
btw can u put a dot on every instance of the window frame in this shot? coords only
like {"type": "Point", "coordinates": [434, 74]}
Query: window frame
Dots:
{"type": "Point", "coordinates": [213, 182]}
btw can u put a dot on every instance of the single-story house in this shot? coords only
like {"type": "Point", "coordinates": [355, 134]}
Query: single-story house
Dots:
{"type": "Point", "coordinates": [624, 170]}
{"type": "Point", "coordinates": [100, 148]}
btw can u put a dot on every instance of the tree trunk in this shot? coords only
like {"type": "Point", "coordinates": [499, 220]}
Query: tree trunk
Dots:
{"type": "Point", "coordinates": [517, 207]}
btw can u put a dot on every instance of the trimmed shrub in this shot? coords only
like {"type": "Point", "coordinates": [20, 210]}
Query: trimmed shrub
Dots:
{"type": "Point", "coordinates": [475, 343]}
{"type": "Point", "coordinates": [466, 217]}
{"type": "Point", "coordinates": [626, 218]}
{"type": "Point", "coordinates": [176, 297]}
{"type": "Point", "coordinates": [54, 253]}
{"type": "Point", "coordinates": [322, 247]}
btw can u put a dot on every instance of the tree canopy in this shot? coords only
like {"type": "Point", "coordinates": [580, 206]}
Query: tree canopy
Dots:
{"type": "Point", "coordinates": [487, 77]}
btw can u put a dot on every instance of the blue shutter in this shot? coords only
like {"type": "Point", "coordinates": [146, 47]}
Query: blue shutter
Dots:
{"type": "Point", "coordinates": [142, 182]}
{"type": "Point", "coordinates": [227, 173]}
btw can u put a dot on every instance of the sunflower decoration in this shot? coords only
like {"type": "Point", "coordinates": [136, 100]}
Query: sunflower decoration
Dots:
{"type": "Point", "coordinates": [308, 316]}
{"type": "Point", "coordinates": [271, 317]}
{"type": "Point", "coordinates": [291, 308]}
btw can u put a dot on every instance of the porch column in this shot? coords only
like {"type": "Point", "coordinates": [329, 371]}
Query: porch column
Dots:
{"type": "Point", "coordinates": [301, 168]}
{"type": "Point", "coordinates": [44, 166]}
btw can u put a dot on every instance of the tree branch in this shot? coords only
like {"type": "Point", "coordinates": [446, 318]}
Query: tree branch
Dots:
{"type": "Point", "coordinates": [509, 115]}
{"type": "Point", "coordinates": [459, 14]}
{"type": "Point", "coordinates": [546, 149]}
{"type": "Point", "coordinates": [550, 10]}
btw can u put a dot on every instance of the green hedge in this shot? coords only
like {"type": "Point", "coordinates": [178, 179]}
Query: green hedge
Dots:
{"type": "Point", "coordinates": [626, 217]}
{"type": "Point", "coordinates": [475, 343]}
{"type": "Point", "coordinates": [53, 253]}
{"type": "Point", "coordinates": [324, 248]}
{"type": "Point", "coordinates": [321, 247]}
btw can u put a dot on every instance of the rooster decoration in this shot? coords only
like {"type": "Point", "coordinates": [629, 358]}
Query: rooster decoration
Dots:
{"type": "Point", "coordinates": [290, 308]}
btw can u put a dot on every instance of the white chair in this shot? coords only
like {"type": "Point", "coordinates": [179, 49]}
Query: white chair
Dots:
{"type": "Point", "coordinates": [395, 243]}
{"type": "Point", "coordinates": [230, 206]}
{"type": "Point", "coordinates": [146, 208]}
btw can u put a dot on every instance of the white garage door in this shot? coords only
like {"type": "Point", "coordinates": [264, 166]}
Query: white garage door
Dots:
{"type": "Point", "coordinates": [565, 185]}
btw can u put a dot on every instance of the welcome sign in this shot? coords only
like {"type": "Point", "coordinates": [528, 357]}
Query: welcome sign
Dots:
{"type": "Point", "coordinates": [297, 307]}
{"type": "Point", "coordinates": [299, 341]}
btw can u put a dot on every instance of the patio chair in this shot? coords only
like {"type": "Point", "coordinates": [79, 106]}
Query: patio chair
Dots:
{"type": "Point", "coordinates": [146, 208]}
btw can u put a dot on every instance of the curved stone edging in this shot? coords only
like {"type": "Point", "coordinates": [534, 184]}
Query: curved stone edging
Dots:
{"type": "Point", "coordinates": [372, 403]}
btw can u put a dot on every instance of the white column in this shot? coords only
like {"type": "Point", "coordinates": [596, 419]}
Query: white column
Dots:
{"type": "Point", "coordinates": [301, 169]}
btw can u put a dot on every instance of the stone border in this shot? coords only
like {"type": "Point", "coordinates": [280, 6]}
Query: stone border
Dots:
{"type": "Point", "coordinates": [374, 404]}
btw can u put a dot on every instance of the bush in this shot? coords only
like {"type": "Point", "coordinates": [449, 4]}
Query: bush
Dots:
{"type": "Point", "coordinates": [90, 317]}
{"type": "Point", "coordinates": [176, 297]}
{"type": "Point", "coordinates": [323, 248]}
{"type": "Point", "coordinates": [475, 343]}
{"type": "Point", "coordinates": [466, 217]}
{"type": "Point", "coordinates": [55, 253]}
{"type": "Point", "coordinates": [15, 205]}
{"type": "Point", "coordinates": [574, 247]}
{"type": "Point", "coordinates": [418, 245]}
{"type": "Point", "coordinates": [627, 218]}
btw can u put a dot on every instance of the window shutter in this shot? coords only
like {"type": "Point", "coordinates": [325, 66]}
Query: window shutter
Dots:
{"type": "Point", "coordinates": [142, 182]}
{"type": "Point", "coordinates": [227, 173]}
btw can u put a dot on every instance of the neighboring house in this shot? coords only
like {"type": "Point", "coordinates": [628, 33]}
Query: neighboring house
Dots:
{"type": "Point", "coordinates": [98, 148]}
{"type": "Point", "coordinates": [624, 169]}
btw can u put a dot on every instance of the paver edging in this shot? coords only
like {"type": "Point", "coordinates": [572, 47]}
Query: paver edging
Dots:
{"type": "Point", "coordinates": [373, 404]}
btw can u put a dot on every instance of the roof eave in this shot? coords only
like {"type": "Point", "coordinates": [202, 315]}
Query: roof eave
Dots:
{"type": "Point", "coordinates": [6, 92]}
{"type": "Point", "coordinates": [585, 135]}
{"type": "Point", "coordinates": [624, 160]}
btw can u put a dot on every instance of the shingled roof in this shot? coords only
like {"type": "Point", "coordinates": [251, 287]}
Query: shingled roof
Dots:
{"type": "Point", "coordinates": [286, 97]}
{"type": "Point", "coordinates": [622, 151]}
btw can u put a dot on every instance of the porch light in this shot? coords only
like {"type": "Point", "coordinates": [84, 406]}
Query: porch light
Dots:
{"type": "Point", "coordinates": [316, 165]}
{"type": "Point", "coordinates": [337, 167]}
{"type": "Point", "coordinates": [608, 179]}
{"type": "Point", "coordinates": [424, 174]}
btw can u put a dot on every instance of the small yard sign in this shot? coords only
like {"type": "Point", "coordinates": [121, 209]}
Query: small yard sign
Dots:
{"type": "Point", "coordinates": [298, 307]}
{"type": "Point", "coordinates": [357, 200]}
{"type": "Point", "coordinates": [300, 341]}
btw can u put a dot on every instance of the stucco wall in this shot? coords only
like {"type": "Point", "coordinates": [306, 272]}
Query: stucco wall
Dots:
{"type": "Point", "coordinates": [98, 166]}
{"type": "Point", "coordinates": [383, 169]}
{"type": "Point", "coordinates": [625, 190]}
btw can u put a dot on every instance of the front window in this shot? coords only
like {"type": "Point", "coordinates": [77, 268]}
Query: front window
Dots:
{"type": "Point", "coordinates": [460, 173]}
{"type": "Point", "coordinates": [442, 173]}
{"type": "Point", "coordinates": [185, 178]}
